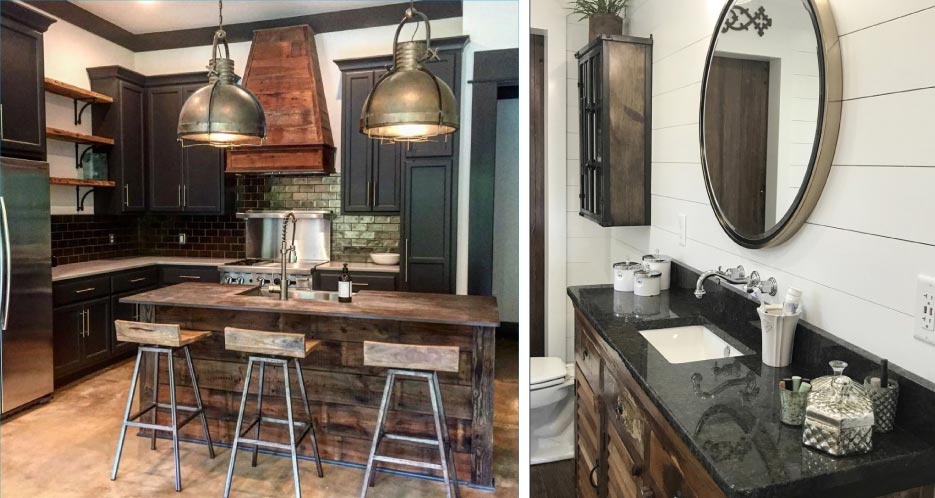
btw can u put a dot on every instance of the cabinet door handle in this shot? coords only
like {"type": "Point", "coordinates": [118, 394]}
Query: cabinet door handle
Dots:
{"type": "Point", "coordinates": [135, 280]}
{"type": "Point", "coordinates": [361, 285]}
{"type": "Point", "coordinates": [126, 195]}
{"type": "Point", "coordinates": [87, 321]}
{"type": "Point", "coordinates": [82, 291]}
{"type": "Point", "coordinates": [190, 277]}
{"type": "Point", "coordinates": [406, 263]}
{"type": "Point", "coordinates": [1, 121]}
{"type": "Point", "coordinates": [369, 193]}
{"type": "Point", "coordinates": [591, 476]}
{"type": "Point", "coordinates": [180, 196]}
{"type": "Point", "coordinates": [184, 195]}
{"type": "Point", "coordinates": [375, 183]}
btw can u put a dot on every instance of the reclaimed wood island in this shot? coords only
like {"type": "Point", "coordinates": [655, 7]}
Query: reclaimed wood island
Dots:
{"type": "Point", "coordinates": [345, 395]}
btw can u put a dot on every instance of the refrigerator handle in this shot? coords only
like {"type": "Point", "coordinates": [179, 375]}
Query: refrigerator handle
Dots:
{"type": "Point", "coordinates": [5, 271]}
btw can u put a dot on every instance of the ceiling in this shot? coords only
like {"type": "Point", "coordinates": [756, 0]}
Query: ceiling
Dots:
{"type": "Point", "coordinates": [149, 16]}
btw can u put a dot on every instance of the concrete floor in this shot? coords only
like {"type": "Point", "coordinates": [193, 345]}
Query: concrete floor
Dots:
{"type": "Point", "coordinates": [66, 447]}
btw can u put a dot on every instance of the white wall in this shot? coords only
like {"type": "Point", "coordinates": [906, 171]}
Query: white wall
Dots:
{"type": "Point", "coordinates": [69, 51]}
{"type": "Point", "coordinates": [506, 225]}
{"type": "Point", "coordinates": [858, 256]}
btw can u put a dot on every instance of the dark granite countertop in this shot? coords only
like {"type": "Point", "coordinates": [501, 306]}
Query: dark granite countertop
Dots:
{"type": "Point", "coordinates": [730, 419]}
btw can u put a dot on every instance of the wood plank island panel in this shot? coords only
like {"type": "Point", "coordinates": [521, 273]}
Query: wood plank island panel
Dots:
{"type": "Point", "coordinates": [344, 394]}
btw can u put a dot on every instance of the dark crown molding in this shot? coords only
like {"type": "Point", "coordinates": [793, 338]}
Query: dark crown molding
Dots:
{"type": "Point", "coordinates": [369, 17]}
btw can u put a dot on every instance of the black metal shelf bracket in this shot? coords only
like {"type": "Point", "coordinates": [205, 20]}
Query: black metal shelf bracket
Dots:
{"type": "Point", "coordinates": [78, 113]}
{"type": "Point", "coordinates": [79, 157]}
{"type": "Point", "coordinates": [79, 199]}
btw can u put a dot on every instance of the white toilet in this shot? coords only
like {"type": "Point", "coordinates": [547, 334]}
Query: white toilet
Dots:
{"type": "Point", "coordinates": [552, 410]}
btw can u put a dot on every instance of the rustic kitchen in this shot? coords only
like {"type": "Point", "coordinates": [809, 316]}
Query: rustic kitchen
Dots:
{"type": "Point", "coordinates": [258, 249]}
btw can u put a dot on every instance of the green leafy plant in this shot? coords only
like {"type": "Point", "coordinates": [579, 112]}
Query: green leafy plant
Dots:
{"type": "Point", "coordinates": [588, 8]}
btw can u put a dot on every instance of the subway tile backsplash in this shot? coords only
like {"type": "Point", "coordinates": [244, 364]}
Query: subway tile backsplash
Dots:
{"type": "Point", "coordinates": [86, 238]}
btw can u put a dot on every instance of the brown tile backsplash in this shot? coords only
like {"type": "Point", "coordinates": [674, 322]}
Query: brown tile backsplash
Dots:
{"type": "Point", "coordinates": [76, 239]}
{"type": "Point", "coordinates": [86, 238]}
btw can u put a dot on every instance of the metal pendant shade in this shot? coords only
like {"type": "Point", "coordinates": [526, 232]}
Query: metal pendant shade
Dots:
{"type": "Point", "coordinates": [222, 113]}
{"type": "Point", "coordinates": [409, 103]}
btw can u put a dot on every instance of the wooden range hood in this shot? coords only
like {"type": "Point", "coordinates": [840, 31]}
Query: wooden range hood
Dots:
{"type": "Point", "coordinates": [283, 72]}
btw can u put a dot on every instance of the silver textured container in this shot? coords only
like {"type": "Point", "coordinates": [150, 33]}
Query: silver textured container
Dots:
{"type": "Point", "coordinates": [884, 401]}
{"type": "Point", "coordinates": [839, 419]}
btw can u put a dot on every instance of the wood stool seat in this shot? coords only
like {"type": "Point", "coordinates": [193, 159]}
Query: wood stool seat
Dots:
{"type": "Point", "coordinates": [276, 349]}
{"type": "Point", "coordinates": [158, 334]}
{"type": "Point", "coordinates": [269, 343]}
{"type": "Point", "coordinates": [414, 362]}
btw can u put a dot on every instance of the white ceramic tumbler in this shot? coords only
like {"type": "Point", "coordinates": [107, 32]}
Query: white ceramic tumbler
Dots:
{"type": "Point", "coordinates": [778, 332]}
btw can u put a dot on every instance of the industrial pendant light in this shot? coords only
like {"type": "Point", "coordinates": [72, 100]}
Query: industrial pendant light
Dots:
{"type": "Point", "coordinates": [222, 113]}
{"type": "Point", "coordinates": [409, 103]}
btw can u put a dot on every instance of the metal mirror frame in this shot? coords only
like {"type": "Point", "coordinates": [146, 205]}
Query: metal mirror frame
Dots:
{"type": "Point", "coordinates": [826, 130]}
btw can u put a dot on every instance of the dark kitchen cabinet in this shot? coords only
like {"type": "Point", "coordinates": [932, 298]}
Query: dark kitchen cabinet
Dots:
{"type": "Point", "coordinates": [327, 280]}
{"type": "Point", "coordinates": [81, 336]}
{"type": "Point", "coordinates": [123, 121]}
{"type": "Point", "coordinates": [614, 124]}
{"type": "Point", "coordinates": [371, 171]}
{"type": "Point", "coordinates": [128, 312]}
{"type": "Point", "coordinates": [22, 80]}
{"type": "Point", "coordinates": [428, 224]}
{"type": "Point", "coordinates": [187, 180]}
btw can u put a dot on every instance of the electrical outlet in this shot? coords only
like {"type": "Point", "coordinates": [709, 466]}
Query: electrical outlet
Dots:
{"type": "Point", "coordinates": [111, 239]}
{"type": "Point", "coordinates": [683, 229]}
{"type": "Point", "coordinates": [925, 309]}
{"type": "Point", "coordinates": [183, 239]}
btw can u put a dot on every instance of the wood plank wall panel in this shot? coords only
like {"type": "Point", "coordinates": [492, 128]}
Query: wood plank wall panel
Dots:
{"type": "Point", "coordinates": [344, 395]}
{"type": "Point", "coordinates": [883, 164]}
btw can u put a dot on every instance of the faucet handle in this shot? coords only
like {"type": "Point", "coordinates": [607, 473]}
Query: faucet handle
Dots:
{"type": "Point", "coordinates": [734, 273]}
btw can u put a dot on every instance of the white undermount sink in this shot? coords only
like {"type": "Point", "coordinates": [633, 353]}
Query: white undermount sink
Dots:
{"type": "Point", "coordinates": [691, 343]}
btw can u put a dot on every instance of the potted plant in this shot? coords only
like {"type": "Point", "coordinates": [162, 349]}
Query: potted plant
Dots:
{"type": "Point", "coordinates": [605, 17]}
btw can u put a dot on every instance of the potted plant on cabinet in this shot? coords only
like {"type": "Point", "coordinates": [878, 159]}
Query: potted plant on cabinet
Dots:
{"type": "Point", "coordinates": [605, 17]}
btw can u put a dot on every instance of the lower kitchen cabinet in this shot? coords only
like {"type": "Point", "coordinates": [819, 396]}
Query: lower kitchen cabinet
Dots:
{"type": "Point", "coordinates": [81, 336]}
{"type": "Point", "coordinates": [381, 281]}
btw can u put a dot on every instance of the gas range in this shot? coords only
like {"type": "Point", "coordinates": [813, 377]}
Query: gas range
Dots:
{"type": "Point", "coordinates": [265, 271]}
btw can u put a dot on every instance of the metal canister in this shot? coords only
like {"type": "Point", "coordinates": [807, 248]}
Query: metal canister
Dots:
{"type": "Point", "coordinates": [839, 419]}
{"type": "Point", "coordinates": [647, 283]}
{"type": "Point", "coordinates": [661, 264]}
{"type": "Point", "coordinates": [623, 275]}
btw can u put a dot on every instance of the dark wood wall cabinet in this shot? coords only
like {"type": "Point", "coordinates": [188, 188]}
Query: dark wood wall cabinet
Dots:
{"type": "Point", "coordinates": [22, 79]}
{"type": "Point", "coordinates": [84, 311]}
{"type": "Point", "coordinates": [416, 180]}
{"type": "Point", "coordinates": [371, 171]}
{"type": "Point", "coordinates": [151, 170]}
{"type": "Point", "coordinates": [615, 127]}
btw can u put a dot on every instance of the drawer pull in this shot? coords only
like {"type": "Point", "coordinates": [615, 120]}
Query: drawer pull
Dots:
{"type": "Point", "coordinates": [647, 492]}
{"type": "Point", "coordinates": [82, 291]}
{"type": "Point", "coordinates": [592, 477]}
{"type": "Point", "coordinates": [585, 353]}
{"type": "Point", "coordinates": [135, 280]}
{"type": "Point", "coordinates": [362, 285]}
{"type": "Point", "coordinates": [190, 277]}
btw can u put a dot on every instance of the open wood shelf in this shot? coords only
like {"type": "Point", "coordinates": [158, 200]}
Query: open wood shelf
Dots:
{"type": "Point", "coordinates": [78, 138]}
{"type": "Point", "coordinates": [78, 182]}
{"type": "Point", "coordinates": [76, 93]}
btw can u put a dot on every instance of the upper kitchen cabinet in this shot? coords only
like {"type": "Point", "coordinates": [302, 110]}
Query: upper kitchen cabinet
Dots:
{"type": "Point", "coordinates": [371, 171]}
{"type": "Point", "coordinates": [615, 113]}
{"type": "Point", "coordinates": [122, 120]}
{"type": "Point", "coordinates": [282, 71]}
{"type": "Point", "coordinates": [22, 79]}
{"type": "Point", "coordinates": [187, 180]}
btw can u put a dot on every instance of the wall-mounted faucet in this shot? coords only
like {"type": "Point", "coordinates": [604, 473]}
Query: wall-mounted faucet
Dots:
{"type": "Point", "coordinates": [737, 276]}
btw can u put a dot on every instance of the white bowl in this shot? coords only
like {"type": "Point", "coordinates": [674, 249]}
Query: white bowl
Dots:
{"type": "Point", "coordinates": [385, 258]}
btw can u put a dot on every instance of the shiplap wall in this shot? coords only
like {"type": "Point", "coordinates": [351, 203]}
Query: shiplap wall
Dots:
{"type": "Point", "coordinates": [858, 256]}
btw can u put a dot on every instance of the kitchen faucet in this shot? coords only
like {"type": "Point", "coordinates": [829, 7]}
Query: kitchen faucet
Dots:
{"type": "Point", "coordinates": [737, 276]}
{"type": "Point", "coordinates": [288, 255]}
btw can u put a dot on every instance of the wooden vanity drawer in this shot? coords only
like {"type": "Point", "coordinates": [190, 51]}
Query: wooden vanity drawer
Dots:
{"type": "Point", "coordinates": [625, 417]}
{"type": "Point", "coordinates": [587, 353]}
{"type": "Point", "coordinates": [623, 472]}
{"type": "Point", "coordinates": [674, 472]}
{"type": "Point", "coordinates": [134, 280]}
{"type": "Point", "coordinates": [83, 289]}
{"type": "Point", "coordinates": [588, 438]}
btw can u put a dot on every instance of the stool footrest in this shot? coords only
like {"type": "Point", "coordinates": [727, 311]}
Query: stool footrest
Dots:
{"type": "Point", "coordinates": [265, 444]}
{"type": "Point", "coordinates": [403, 461]}
{"type": "Point", "coordinates": [411, 439]}
{"type": "Point", "coordinates": [131, 421]}
{"type": "Point", "coordinates": [305, 426]}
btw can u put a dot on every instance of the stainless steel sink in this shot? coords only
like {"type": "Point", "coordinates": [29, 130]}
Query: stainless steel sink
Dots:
{"type": "Point", "coordinates": [304, 295]}
{"type": "Point", "coordinates": [691, 343]}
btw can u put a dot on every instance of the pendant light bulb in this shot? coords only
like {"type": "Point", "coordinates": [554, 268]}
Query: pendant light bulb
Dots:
{"type": "Point", "coordinates": [409, 103]}
{"type": "Point", "coordinates": [221, 113]}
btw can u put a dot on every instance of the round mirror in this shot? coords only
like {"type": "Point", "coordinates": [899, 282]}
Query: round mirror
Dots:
{"type": "Point", "coordinates": [770, 111]}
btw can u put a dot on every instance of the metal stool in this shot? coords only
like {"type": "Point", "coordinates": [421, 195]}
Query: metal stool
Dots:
{"type": "Point", "coordinates": [279, 349]}
{"type": "Point", "coordinates": [423, 362]}
{"type": "Point", "coordinates": [161, 339]}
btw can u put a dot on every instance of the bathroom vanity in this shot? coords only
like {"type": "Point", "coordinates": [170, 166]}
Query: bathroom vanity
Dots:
{"type": "Point", "coordinates": [647, 427]}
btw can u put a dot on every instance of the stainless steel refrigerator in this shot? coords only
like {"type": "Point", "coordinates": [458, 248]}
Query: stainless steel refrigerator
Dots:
{"type": "Point", "coordinates": [25, 283]}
